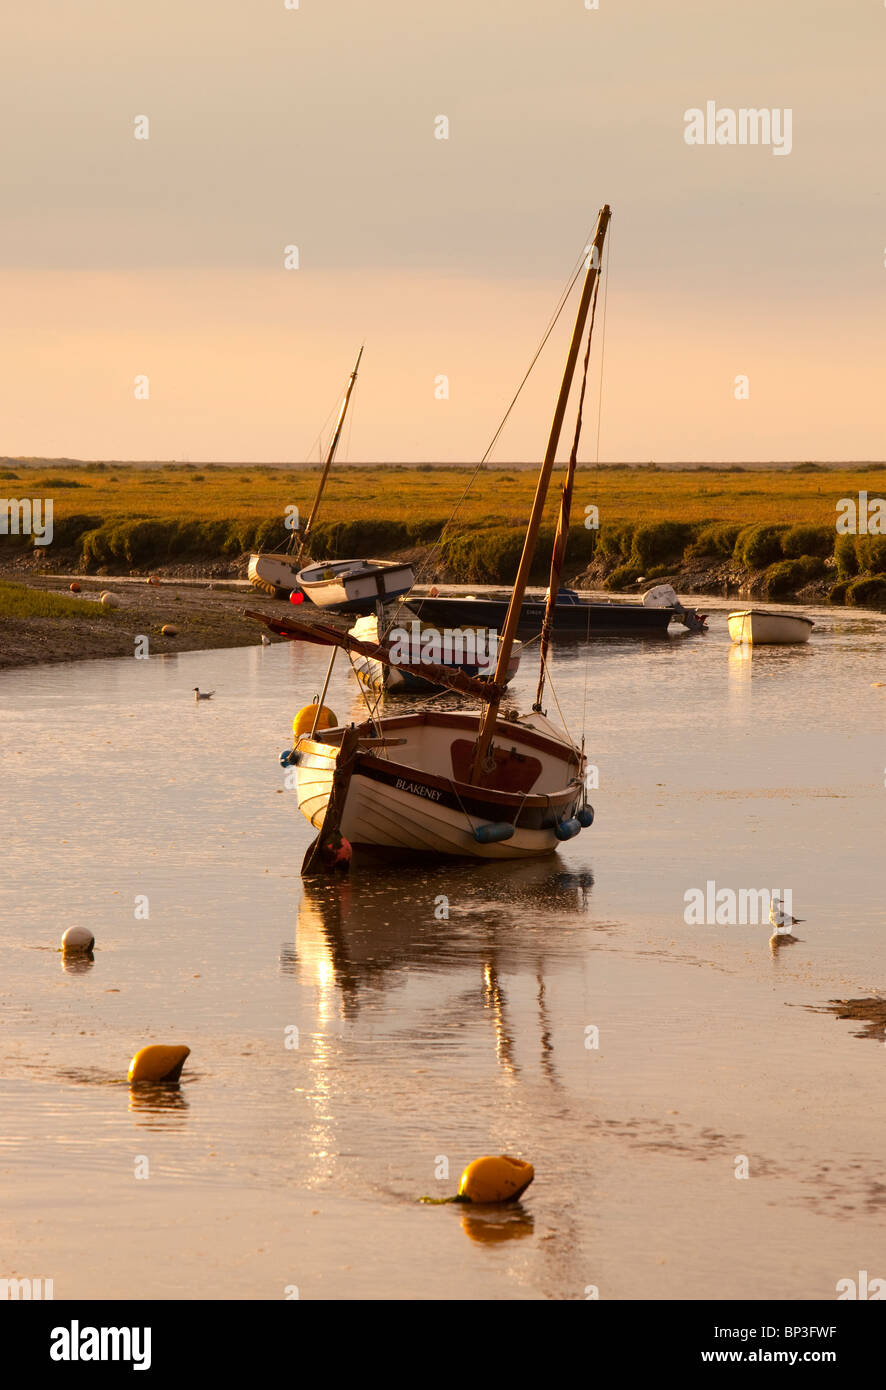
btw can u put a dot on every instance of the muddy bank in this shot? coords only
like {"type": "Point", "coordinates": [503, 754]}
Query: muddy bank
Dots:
{"type": "Point", "coordinates": [204, 617]}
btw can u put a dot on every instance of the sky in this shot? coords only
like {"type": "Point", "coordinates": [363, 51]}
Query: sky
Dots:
{"type": "Point", "coordinates": [316, 127]}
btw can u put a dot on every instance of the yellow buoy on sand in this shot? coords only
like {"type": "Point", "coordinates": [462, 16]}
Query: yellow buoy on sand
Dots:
{"type": "Point", "coordinates": [169, 630]}
{"type": "Point", "coordinates": [78, 941]}
{"type": "Point", "coordinates": [303, 722]}
{"type": "Point", "coordinates": [500, 1179]}
{"type": "Point", "coordinates": [158, 1062]}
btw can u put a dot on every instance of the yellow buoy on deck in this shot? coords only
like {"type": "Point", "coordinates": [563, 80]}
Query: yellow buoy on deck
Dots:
{"type": "Point", "coordinates": [501, 1179]}
{"type": "Point", "coordinates": [303, 722]}
{"type": "Point", "coordinates": [158, 1063]}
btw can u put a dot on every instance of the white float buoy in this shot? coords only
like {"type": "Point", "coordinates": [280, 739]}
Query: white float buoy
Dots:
{"type": "Point", "coordinates": [109, 600]}
{"type": "Point", "coordinates": [78, 941]}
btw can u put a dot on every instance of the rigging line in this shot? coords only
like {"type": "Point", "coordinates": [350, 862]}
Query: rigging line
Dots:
{"type": "Point", "coordinates": [351, 414]}
{"type": "Point", "coordinates": [461, 804]}
{"type": "Point", "coordinates": [372, 719]}
{"type": "Point", "coordinates": [564, 296]}
{"type": "Point", "coordinates": [557, 703]}
{"type": "Point", "coordinates": [604, 271]}
{"type": "Point", "coordinates": [584, 707]}
{"type": "Point", "coordinates": [318, 442]}
{"type": "Point", "coordinates": [603, 346]}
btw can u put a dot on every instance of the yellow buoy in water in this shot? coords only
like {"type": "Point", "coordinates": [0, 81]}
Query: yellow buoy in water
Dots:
{"type": "Point", "coordinates": [158, 1063]}
{"type": "Point", "coordinates": [303, 722]}
{"type": "Point", "coordinates": [501, 1179]}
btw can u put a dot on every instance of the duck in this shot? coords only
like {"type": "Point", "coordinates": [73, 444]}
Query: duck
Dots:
{"type": "Point", "coordinates": [201, 694]}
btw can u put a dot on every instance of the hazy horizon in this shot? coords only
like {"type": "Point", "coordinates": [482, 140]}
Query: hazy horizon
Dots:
{"type": "Point", "coordinates": [123, 258]}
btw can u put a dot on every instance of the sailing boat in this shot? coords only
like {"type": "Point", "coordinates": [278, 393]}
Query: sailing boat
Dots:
{"type": "Point", "coordinates": [485, 785]}
{"type": "Point", "coordinates": [350, 586]}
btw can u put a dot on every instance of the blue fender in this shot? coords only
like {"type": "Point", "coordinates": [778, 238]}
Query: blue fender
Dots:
{"type": "Point", "coordinates": [565, 829]}
{"type": "Point", "coordinates": [492, 833]}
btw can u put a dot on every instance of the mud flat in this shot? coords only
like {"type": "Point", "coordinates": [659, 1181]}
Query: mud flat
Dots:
{"type": "Point", "coordinates": [205, 614]}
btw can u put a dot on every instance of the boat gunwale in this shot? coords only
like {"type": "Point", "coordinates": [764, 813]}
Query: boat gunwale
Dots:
{"type": "Point", "coordinates": [457, 719]}
{"type": "Point", "coordinates": [321, 750]}
{"type": "Point", "coordinates": [765, 613]}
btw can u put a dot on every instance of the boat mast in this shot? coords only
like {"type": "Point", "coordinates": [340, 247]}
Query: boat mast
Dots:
{"type": "Point", "coordinates": [506, 640]}
{"type": "Point", "coordinates": [558, 555]}
{"type": "Point", "coordinates": [330, 455]}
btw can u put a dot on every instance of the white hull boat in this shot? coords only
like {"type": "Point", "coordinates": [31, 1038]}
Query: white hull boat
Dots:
{"type": "Point", "coordinates": [411, 790]}
{"type": "Point", "coordinates": [757, 626]}
{"type": "Point", "coordinates": [354, 586]}
{"type": "Point", "coordinates": [275, 575]}
{"type": "Point", "coordinates": [479, 784]}
{"type": "Point", "coordinates": [462, 650]}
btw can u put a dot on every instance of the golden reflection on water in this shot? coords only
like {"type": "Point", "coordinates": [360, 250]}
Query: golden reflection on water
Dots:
{"type": "Point", "coordinates": [491, 1227]}
{"type": "Point", "coordinates": [494, 999]}
{"type": "Point", "coordinates": [740, 668]}
{"type": "Point", "coordinates": [151, 1102]}
{"type": "Point", "coordinates": [76, 965]}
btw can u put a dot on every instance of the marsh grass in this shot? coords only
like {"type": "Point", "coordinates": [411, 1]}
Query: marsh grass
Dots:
{"type": "Point", "coordinates": [411, 494]}
{"type": "Point", "coordinates": [650, 517]}
{"type": "Point", "coordinates": [17, 601]}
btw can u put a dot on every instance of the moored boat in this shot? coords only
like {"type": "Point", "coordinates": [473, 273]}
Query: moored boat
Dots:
{"type": "Point", "coordinates": [450, 783]}
{"type": "Point", "coordinates": [572, 613]}
{"type": "Point", "coordinates": [470, 650]}
{"type": "Point", "coordinates": [759, 625]}
{"type": "Point", "coordinates": [413, 788]}
{"type": "Point", "coordinates": [354, 586]}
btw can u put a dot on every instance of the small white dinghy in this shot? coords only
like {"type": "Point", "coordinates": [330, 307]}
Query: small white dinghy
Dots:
{"type": "Point", "coordinates": [756, 625]}
{"type": "Point", "coordinates": [354, 586]}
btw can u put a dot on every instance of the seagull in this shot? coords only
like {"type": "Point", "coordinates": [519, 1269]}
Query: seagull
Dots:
{"type": "Point", "coordinates": [265, 641]}
{"type": "Point", "coordinates": [202, 695]}
{"type": "Point", "coordinates": [782, 921]}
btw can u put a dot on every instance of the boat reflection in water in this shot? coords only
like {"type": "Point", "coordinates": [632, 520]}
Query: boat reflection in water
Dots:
{"type": "Point", "coordinates": [473, 1003]}
{"type": "Point", "coordinates": [358, 935]}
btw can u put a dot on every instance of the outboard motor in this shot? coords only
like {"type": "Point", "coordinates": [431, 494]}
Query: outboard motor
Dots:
{"type": "Point", "coordinates": [663, 596]}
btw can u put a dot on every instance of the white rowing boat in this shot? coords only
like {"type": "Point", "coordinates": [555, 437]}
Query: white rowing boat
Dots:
{"type": "Point", "coordinates": [757, 625]}
{"type": "Point", "coordinates": [471, 650]}
{"type": "Point", "coordinates": [354, 586]}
